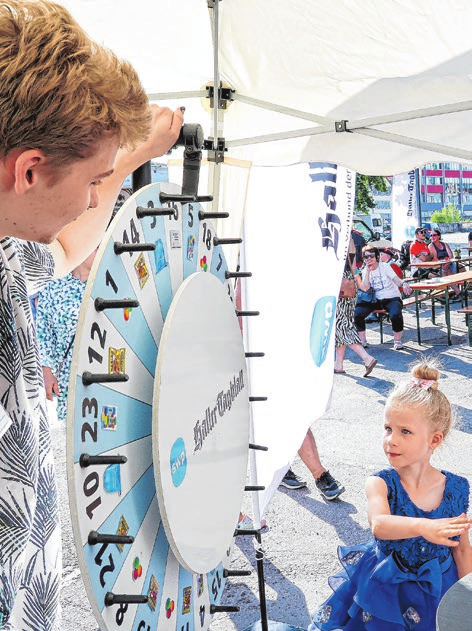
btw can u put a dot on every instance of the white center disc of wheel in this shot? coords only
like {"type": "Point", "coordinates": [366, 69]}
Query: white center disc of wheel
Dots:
{"type": "Point", "coordinates": [200, 422]}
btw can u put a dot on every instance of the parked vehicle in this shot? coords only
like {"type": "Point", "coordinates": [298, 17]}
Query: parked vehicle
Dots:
{"type": "Point", "coordinates": [366, 231]}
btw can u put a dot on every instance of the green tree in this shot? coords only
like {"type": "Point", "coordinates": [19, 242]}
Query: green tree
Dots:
{"type": "Point", "coordinates": [364, 185]}
{"type": "Point", "coordinates": [447, 214]}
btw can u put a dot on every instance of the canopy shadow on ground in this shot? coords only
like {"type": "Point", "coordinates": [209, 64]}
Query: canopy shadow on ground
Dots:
{"type": "Point", "coordinates": [237, 592]}
{"type": "Point", "coordinates": [336, 513]}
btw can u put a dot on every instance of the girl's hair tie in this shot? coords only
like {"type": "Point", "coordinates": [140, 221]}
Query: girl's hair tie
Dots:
{"type": "Point", "coordinates": [422, 383]}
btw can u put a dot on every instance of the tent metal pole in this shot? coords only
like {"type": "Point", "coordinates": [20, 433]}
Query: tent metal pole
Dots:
{"type": "Point", "coordinates": [397, 117]}
{"type": "Point", "coordinates": [167, 96]}
{"type": "Point", "coordinates": [415, 142]}
{"type": "Point", "coordinates": [216, 75]}
{"type": "Point", "coordinates": [295, 133]}
{"type": "Point", "coordinates": [375, 133]}
{"type": "Point", "coordinates": [214, 175]}
{"type": "Point", "coordinates": [322, 120]}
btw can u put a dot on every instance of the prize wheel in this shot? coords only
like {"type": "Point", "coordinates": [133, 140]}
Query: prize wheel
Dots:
{"type": "Point", "coordinates": [158, 419]}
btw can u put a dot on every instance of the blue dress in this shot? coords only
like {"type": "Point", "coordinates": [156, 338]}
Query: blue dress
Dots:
{"type": "Point", "coordinates": [393, 585]}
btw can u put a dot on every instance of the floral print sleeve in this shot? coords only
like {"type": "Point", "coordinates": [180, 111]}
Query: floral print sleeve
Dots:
{"type": "Point", "coordinates": [39, 265]}
{"type": "Point", "coordinates": [30, 567]}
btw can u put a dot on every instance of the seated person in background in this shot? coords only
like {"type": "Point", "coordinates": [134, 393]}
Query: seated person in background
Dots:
{"type": "Point", "coordinates": [419, 252]}
{"type": "Point", "coordinates": [388, 255]}
{"type": "Point", "coordinates": [385, 282]}
{"type": "Point", "coordinates": [442, 252]}
{"type": "Point", "coordinates": [470, 239]}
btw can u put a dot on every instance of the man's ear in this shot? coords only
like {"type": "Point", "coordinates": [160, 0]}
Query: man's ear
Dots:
{"type": "Point", "coordinates": [27, 170]}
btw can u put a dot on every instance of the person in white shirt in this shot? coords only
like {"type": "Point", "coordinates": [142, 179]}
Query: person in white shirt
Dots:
{"type": "Point", "coordinates": [385, 283]}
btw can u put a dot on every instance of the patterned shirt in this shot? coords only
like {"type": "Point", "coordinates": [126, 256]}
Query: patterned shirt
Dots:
{"type": "Point", "coordinates": [30, 540]}
{"type": "Point", "coordinates": [56, 321]}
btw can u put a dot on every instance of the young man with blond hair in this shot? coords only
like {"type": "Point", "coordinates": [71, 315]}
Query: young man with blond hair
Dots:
{"type": "Point", "coordinates": [75, 122]}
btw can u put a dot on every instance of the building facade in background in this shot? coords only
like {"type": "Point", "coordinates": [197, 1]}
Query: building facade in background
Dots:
{"type": "Point", "coordinates": [443, 183]}
{"type": "Point", "coordinates": [439, 184]}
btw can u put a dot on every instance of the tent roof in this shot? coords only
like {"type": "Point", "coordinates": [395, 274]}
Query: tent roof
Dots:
{"type": "Point", "coordinates": [396, 71]}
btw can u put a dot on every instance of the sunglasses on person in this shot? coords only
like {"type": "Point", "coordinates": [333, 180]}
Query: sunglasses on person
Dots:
{"type": "Point", "coordinates": [369, 256]}
{"type": "Point", "coordinates": [421, 232]}
{"type": "Point", "coordinates": [435, 234]}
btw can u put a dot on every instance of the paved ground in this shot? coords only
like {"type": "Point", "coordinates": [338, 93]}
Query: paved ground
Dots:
{"type": "Point", "coordinates": [304, 530]}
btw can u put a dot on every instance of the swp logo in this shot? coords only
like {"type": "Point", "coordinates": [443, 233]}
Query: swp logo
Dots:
{"type": "Point", "coordinates": [178, 462]}
{"type": "Point", "coordinates": [321, 327]}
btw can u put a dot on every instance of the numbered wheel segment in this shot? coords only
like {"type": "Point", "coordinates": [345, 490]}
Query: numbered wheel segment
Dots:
{"type": "Point", "coordinates": [133, 578]}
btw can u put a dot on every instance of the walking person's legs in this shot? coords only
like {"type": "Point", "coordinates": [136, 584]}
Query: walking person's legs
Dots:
{"type": "Point", "coordinates": [363, 309]}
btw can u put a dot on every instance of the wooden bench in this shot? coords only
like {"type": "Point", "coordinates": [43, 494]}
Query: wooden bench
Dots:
{"type": "Point", "coordinates": [382, 314]}
{"type": "Point", "coordinates": [468, 313]}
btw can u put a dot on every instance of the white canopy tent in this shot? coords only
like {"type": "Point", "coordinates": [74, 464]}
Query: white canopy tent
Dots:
{"type": "Point", "coordinates": [397, 72]}
{"type": "Point", "coordinates": [379, 86]}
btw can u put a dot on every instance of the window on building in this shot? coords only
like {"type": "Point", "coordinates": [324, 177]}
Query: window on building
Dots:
{"type": "Point", "coordinates": [452, 199]}
{"type": "Point", "coordinates": [433, 198]}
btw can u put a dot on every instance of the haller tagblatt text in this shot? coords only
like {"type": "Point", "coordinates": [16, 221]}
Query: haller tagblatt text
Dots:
{"type": "Point", "coordinates": [223, 403]}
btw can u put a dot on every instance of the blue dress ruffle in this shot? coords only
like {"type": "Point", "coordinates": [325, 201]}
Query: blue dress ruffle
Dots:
{"type": "Point", "coordinates": [393, 585]}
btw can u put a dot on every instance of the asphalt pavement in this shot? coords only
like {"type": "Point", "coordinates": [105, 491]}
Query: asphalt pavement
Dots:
{"type": "Point", "coordinates": [304, 530]}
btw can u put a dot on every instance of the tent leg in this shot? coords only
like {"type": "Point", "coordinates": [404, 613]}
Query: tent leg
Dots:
{"type": "Point", "coordinates": [261, 582]}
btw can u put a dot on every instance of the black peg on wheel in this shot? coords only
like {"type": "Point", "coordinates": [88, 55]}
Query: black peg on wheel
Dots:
{"type": "Point", "coordinates": [247, 313]}
{"type": "Point", "coordinates": [228, 241]}
{"type": "Point", "coordinates": [256, 354]}
{"type": "Point", "coordinates": [229, 573]}
{"type": "Point", "coordinates": [237, 275]}
{"type": "Point", "coordinates": [258, 447]}
{"type": "Point", "coordinates": [165, 198]}
{"type": "Point", "coordinates": [101, 304]}
{"type": "Point", "coordinates": [86, 460]}
{"type": "Point", "coordinates": [254, 488]}
{"type": "Point", "coordinates": [92, 377]}
{"type": "Point", "coordinates": [204, 198]}
{"type": "Point", "coordinates": [128, 599]}
{"type": "Point", "coordinates": [141, 212]}
{"type": "Point", "coordinates": [223, 608]}
{"type": "Point", "coordinates": [203, 215]}
{"type": "Point", "coordinates": [133, 247]}
{"type": "Point", "coordinates": [257, 399]}
{"type": "Point", "coordinates": [95, 538]}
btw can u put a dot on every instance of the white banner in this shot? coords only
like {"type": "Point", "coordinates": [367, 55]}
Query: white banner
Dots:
{"type": "Point", "coordinates": [405, 211]}
{"type": "Point", "coordinates": [297, 229]}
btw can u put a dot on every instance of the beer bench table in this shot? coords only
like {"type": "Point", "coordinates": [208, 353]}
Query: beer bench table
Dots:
{"type": "Point", "coordinates": [468, 320]}
{"type": "Point", "coordinates": [440, 264]}
{"type": "Point", "coordinates": [432, 287]}
{"type": "Point", "coordinates": [455, 609]}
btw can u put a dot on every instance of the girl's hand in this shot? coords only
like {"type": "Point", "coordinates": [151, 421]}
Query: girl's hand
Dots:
{"type": "Point", "coordinates": [439, 531]}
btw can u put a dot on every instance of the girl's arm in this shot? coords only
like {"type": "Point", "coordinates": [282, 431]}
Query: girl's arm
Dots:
{"type": "Point", "coordinates": [384, 525]}
{"type": "Point", "coordinates": [449, 251]}
{"type": "Point", "coordinates": [463, 555]}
